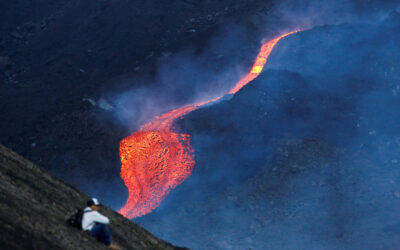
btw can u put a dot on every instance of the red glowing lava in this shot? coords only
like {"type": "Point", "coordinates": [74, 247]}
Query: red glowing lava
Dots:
{"type": "Point", "coordinates": [156, 159]}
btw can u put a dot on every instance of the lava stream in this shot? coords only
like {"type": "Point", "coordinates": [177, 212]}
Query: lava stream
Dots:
{"type": "Point", "coordinates": [156, 159]}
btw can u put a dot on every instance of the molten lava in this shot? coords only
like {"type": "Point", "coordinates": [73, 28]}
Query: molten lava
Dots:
{"type": "Point", "coordinates": [156, 159]}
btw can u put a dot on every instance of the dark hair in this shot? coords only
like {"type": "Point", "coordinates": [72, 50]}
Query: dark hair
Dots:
{"type": "Point", "coordinates": [90, 203]}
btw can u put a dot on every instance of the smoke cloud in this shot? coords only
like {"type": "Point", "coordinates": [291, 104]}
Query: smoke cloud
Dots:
{"type": "Point", "coordinates": [186, 77]}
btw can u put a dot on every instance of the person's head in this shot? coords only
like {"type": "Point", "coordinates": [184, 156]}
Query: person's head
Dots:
{"type": "Point", "coordinates": [93, 204]}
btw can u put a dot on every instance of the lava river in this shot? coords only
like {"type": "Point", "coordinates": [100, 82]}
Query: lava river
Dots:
{"type": "Point", "coordinates": [156, 159]}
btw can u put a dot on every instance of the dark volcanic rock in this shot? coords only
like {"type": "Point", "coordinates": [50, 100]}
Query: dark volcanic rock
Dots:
{"type": "Point", "coordinates": [309, 195]}
{"type": "Point", "coordinates": [246, 213]}
{"type": "Point", "coordinates": [34, 207]}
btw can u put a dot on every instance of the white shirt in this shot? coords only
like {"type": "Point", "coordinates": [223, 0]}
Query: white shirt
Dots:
{"type": "Point", "coordinates": [91, 217]}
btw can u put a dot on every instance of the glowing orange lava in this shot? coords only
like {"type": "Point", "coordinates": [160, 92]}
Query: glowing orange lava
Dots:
{"type": "Point", "coordinates": [262, 58]}
{"type": "Point", "coordinates": [156, 159]}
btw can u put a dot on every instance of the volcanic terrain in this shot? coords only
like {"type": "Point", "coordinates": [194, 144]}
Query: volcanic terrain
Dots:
{"type": "Point", "coordinates": [305, 156]}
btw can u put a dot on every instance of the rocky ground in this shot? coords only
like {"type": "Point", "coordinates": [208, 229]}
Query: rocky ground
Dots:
{"type": "Point", "coordinates": [35, 205]}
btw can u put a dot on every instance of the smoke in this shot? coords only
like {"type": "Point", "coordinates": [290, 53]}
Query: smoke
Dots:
{"type": "Point", "coordinates": [308, 14]}
{"type": "Point", "coordinates": [186, 77]}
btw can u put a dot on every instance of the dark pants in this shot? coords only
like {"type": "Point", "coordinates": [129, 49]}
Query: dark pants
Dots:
{"type": "Point", "coordinates": [102, 233]}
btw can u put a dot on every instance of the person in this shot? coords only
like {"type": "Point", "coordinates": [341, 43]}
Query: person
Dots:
{"type": "Point", "coordinates": [97, 224]}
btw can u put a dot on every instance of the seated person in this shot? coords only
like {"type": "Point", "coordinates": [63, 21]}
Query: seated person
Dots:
{"type": "Point", "coordinates": [96, 223]}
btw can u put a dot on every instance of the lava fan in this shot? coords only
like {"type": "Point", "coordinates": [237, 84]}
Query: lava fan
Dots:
{"type": "Point", "coordinates": [156, 159]}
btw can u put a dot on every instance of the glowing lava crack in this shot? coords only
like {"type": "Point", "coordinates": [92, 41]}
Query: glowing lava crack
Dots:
{"type": "Point", "coordinates": [156, 159]}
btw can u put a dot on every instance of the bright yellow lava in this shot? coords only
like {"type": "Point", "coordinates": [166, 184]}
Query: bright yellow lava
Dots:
{"type": "Point", "coordinates": [256, 69]}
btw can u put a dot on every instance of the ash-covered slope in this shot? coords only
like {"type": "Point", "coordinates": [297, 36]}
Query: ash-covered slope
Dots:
{"type": "Point", "coordinates": [34, 206]}
{"type": "Point", "coordinates": [261, 182]}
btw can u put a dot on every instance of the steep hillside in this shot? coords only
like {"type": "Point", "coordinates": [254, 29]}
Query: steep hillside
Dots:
{"type": "Point", "coordinates": [34, 206]}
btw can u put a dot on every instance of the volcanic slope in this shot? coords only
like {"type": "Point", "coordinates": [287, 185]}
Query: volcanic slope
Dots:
{"type": "Point", "coordinates": [34, 206]}
{"type": "Point", "coordinates": [259, 179]}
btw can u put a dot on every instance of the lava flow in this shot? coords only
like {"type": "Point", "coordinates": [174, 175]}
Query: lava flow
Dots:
{"type": "Point", "coordinates": [156, 159]}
